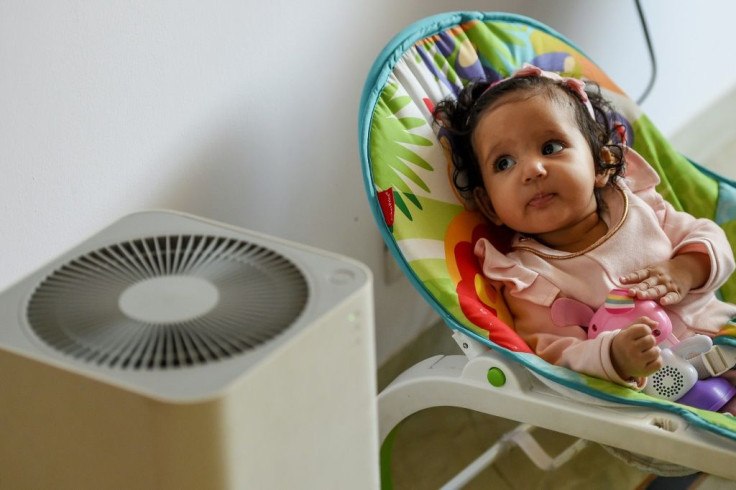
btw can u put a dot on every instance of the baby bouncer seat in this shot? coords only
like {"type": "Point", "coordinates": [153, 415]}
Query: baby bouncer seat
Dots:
{"type": "Point", "coordinates": [431, 231]}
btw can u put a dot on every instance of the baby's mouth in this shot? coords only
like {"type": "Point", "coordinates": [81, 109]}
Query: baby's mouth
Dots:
{"type": "Point", "coordinates": [541, 199]}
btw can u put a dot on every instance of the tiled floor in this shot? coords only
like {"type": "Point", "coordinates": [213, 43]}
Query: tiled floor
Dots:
{"type": "Point", "coordinates": [432, 446]}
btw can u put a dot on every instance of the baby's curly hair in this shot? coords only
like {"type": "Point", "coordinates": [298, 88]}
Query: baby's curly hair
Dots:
{"type": "Point", "coordinates": [458, 118]}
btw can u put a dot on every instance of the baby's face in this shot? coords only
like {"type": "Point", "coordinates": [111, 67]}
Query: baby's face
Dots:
{"type": "Point", "coordinates": [537, 167]}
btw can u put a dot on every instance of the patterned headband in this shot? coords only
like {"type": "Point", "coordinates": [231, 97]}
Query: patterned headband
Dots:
{"type": "Point", "coordinates": [577, 86]}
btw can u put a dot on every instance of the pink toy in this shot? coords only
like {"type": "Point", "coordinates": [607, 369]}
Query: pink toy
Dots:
{"type": "Point", "coordinates": [619, 311]}
{"type": "Point", "coordinates": [677, 379]}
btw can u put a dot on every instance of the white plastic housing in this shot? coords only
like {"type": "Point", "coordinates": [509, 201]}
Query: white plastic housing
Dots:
{"type": "Point", "coordinates": [297, 411]}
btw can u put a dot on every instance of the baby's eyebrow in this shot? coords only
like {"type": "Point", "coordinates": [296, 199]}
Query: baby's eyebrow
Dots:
{"type": "Point", "coordinates": [493, 149]}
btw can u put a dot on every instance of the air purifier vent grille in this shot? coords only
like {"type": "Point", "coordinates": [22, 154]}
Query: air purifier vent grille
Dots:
{"type": "Point", "coordinates": [167, 302]}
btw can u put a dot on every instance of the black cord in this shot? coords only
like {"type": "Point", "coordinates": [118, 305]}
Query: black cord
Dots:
{"type": "Point", "coordinates": [653, 58]}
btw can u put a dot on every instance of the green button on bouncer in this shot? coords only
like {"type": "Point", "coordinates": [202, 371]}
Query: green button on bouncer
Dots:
{"type": "Point", "coordinates": [496, 377]}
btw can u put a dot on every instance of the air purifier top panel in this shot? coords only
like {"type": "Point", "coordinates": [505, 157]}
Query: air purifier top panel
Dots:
{"type": "Point", "coordinates": [167, 301]}
{"type": "Point", "coordinates": [173, 306]}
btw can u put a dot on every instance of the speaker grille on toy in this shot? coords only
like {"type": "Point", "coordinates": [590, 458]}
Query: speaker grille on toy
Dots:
{"type": "Point", "coordinates": [668, 382]}
{"type": "Point", "coordinates": [167, 302]}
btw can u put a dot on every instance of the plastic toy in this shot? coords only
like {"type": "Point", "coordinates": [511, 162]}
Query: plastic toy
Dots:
{"type": "Point", "coordinates": [677, 380]}
{"type": "Point", "coordinates": [619, 311]}
{"type": "Point", "coordinates": [677, 376]}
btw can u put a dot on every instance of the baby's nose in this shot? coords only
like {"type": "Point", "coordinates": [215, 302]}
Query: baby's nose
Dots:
{"type": "Point", "coordinates": [534, 170]}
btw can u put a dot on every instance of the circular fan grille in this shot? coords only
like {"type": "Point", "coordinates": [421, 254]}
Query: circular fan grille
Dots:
{"type": "Point", "coordinates": [167, 302]}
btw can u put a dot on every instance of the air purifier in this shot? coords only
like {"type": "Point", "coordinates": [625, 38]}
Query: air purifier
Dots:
{"type": "Point", "coordinates": [172, 352]}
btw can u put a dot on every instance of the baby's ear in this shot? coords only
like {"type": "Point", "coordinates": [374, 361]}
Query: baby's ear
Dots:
{"type": "Point", "coordinates": [607, 157]}
{"type": "Point", "coordinates": [483, 201]}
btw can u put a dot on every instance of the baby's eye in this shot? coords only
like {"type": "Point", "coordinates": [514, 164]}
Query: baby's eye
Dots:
{"type": "Point", "coordinates": [504, 163]}
{"type": "Point", "coordinates": [551, 147]}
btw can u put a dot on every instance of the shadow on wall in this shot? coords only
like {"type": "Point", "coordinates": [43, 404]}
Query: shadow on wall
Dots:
{"type": "Point", "coordinates": [228, 176]}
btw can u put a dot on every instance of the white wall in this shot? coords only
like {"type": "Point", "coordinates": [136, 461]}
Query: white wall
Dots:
{"type": "Point", "coordinates": [245, 112]}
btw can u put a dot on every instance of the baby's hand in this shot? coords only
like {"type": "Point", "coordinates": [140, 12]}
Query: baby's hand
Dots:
{"type": "Point", "coordinates": [634, 350]}
{"type": "Point", "coordinates": [670, 280]}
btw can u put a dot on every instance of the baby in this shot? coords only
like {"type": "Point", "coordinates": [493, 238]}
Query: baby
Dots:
{"type": "Point", "coordinates": [536, 153]}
